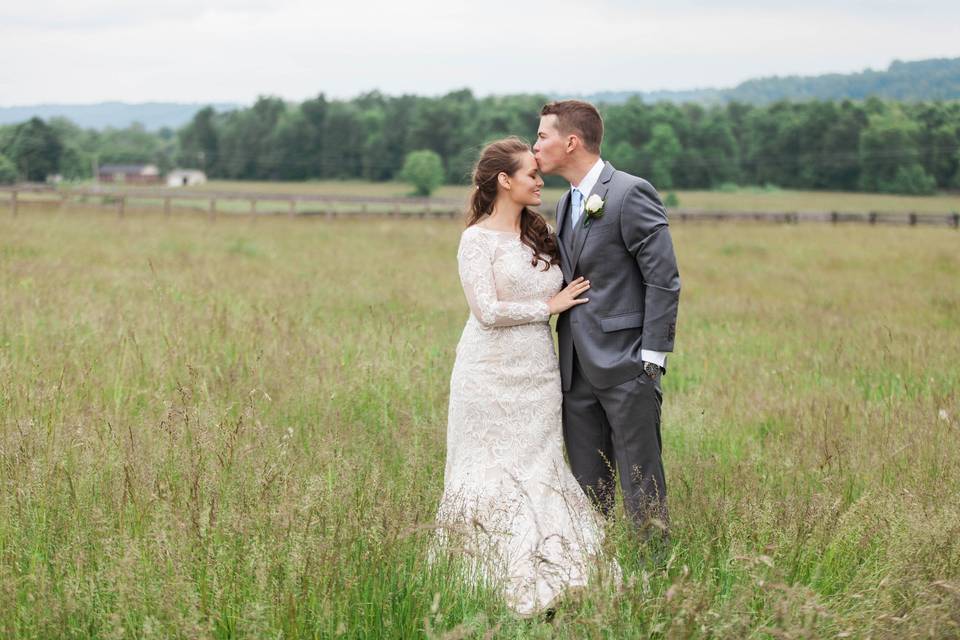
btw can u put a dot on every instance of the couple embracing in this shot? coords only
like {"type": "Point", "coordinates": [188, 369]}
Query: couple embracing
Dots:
{"type": "Point", "coordinates": [529, 522]}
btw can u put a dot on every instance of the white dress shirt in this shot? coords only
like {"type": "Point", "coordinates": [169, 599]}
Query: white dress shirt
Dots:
{"type": "Point", "coordinates": [585, 187]}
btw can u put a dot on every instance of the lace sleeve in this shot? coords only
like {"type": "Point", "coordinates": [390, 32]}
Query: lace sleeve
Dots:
{"type": "Point", "coordinates": [475, 260]}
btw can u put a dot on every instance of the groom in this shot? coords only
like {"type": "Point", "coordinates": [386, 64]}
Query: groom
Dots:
{"type": "Point", "coordinates": [613, 231]}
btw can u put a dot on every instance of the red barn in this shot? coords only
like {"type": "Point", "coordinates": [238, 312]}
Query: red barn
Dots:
{"type": "Point", "coordinates": [130, 173]}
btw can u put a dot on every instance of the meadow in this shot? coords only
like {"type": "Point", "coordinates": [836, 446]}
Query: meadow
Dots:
{"type": "Point", "coordinates": [236, 430]}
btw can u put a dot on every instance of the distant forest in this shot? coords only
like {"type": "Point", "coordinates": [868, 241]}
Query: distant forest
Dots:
{"type": "Point", "coordinates": [871, 145]}
{"type": "Point", "coordinates": [935, 79]}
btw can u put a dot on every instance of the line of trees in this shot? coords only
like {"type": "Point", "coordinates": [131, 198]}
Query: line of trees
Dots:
{"type": "Point", "coordinates": [870, 145]}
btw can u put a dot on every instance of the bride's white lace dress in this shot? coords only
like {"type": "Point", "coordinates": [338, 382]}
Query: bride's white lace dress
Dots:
{"type": "Point", "coordinates": [525, 522]}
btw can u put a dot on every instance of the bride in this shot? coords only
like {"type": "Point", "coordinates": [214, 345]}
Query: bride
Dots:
{"type": "Point", "coordinates": [521, 518]}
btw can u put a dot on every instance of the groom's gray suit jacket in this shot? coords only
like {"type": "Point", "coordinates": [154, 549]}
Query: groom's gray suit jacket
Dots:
{"type": "Point", "coordinates": [627, 254]}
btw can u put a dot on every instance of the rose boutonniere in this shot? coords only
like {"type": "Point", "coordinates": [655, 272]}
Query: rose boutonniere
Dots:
{"type": "Point", "coordinates": [592, 209]}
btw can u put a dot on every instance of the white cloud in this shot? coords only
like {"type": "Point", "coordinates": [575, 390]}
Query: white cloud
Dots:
{"type": "Point", "coordinates": [202, 50]}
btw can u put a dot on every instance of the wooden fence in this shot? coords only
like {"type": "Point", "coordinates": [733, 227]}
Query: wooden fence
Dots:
{"type": "Point", "coordinates": [214, 203]}
{"type": "Point", "coordinates": [834, 217]}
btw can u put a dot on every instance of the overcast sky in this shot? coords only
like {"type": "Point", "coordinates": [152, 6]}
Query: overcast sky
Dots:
{"type": "Point", "coordinates": [233, 50]}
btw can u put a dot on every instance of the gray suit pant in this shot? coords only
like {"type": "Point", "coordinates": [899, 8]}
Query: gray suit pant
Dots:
{"type": "Point", "coordinates": [618, 428]}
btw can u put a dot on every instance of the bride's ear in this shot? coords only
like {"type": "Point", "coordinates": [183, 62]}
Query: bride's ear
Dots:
{"type": "Point", "coordinates": [504, 180]}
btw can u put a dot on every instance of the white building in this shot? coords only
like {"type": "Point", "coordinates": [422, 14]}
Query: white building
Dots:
{"type": "Point", "coordinates": [185, 177]}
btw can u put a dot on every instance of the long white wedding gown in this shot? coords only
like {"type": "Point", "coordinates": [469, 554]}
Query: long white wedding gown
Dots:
{"type": "Point", "coordinates": [519, 515]}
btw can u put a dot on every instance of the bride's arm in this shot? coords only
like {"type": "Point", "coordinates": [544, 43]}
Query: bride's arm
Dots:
{"type": "Point", "coordinates": [475, 260]}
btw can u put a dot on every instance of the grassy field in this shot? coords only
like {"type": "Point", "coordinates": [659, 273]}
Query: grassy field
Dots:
{"type": "Point", "coordinates": [236, 430]}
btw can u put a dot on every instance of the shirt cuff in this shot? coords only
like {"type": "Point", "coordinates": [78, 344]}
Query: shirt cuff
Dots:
{"type": "Point", "coordinates": [658, 358]}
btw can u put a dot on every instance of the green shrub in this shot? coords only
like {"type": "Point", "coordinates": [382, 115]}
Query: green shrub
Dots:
{"type": "Point", "coordinates": [910, 180]}
{"type": "Point", "coordinates": [424, 170]}
{"type": "Point", "coordinates": [671, 201]}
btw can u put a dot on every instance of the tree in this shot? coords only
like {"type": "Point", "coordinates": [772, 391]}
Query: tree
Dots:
{"type": "Point", "coordinates": [662, 152]}
{"type": "Point", "coordinates": [872, 144]}
{"type": "Point", "coordinates": [624, 157]}
{"type": "Point", "coordinates": [200, 141]}
{"type": "Point", "coordinates": [889, 157]}
{"type": "Point", "coordinates": [956, 177]}
{"type": "Point", "coordinates": [246, 149]}
{"type": "Point", "coordinates": [838, 165]}
{"type": "Point", "coordinates": [713, 158]}
{"type": "Point", "coordinates": [290, 144]}
{"type": "Point", "coordinates": [911, 179]}
{"type": "Point", "coordinates": [424, 170]}
{"type": "Point", "coordinates": [314, 112]}
{"type": "Point", "coordinates": [132, 145]}
{"type": "Point", "coordinates": [8, 171]}
{"type": "Point", "coordinates": [35, 149]}
{"type": "Point", "coordinates": [443, 125]}
{"type": "Point", "coordinates": [941, 151]}
{"type": "Point", "coordinates": [343, 138]}
{"type": "Point", "coordinates": [75, 164]}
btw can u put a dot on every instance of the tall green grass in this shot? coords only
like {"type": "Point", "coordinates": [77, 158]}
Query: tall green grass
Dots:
{"type": "Point", "coordinates": [236, 430]}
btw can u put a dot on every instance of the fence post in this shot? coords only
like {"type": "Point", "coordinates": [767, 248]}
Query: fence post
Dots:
{"type": "Point", "coordinates": [253, 209]}
{"type": "Point", "coordinates": [122, 206]}
{"type": "Point", "coordinates": [834, 217]}
{"type": "Point", "coordinates": [913, 219]}
{"type": "Point", "coordinates": [13, 202]}
{"type": "Point", "coordinates": [292, 208]}
{"type": "Point", "coordinates": [873, 217]}
{"type": "Point", "coordinates": [166, 206]}
{"type": "Point", "coordinates": [956, 220]}
{"type": "Point", "coordinates": [212, 211]}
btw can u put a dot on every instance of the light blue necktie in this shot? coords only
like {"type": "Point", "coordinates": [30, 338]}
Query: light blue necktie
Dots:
{"type": "Point", "coordinates": [576, 208]}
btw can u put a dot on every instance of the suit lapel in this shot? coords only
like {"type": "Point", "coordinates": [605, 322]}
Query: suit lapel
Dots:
{"type": "Point", "coordinates": [600, 189]}
{"type": "Point", "coordinates": [562, 207]}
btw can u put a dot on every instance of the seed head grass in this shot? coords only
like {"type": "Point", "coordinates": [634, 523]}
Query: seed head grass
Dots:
{"type": "Point", "coordinates": [236, 430]}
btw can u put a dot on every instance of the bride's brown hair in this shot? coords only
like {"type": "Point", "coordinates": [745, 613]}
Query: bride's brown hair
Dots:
{"type": "Point", "coordinates": [503, 156]}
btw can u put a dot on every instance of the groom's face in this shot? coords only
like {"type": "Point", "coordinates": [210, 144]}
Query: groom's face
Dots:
{"type": "Point", "coordinates": [550, 148]}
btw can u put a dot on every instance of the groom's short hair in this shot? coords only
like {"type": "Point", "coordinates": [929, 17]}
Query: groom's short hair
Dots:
{"type": "Point", "coordinates": [579, 117]}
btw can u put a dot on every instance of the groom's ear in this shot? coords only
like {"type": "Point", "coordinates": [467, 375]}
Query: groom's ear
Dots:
{"type": "Point", "coordinates": [572, 143]}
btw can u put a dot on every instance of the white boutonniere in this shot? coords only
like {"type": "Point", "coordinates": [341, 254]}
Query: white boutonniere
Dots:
{"type": "Point", "coordinates": [592, 209]}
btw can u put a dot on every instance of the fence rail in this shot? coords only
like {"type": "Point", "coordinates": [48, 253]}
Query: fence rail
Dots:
{"type": "Point", "coordinates": [832, 217]}
{"type": "Point", "coordinates": [214, 203]}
